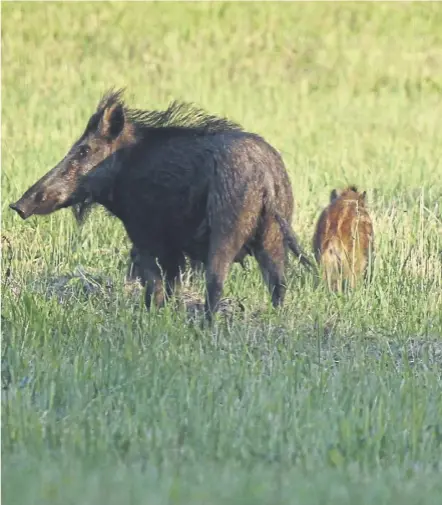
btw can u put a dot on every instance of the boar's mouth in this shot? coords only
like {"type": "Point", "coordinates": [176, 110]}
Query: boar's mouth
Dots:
{"type": "Point", "coordinates": [27, 209]}
{"type": "Point", "coordinates": [22, 211]}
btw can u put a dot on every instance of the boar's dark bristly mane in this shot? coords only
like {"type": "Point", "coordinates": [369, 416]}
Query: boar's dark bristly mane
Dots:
{"type": "Point", "coordinates": [179, 117]}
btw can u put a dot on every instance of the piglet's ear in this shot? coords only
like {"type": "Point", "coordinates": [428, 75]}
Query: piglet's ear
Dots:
{"type": "Point", "coordinates": [333, 195]}
{"type": "Point", "coordinates": [112, 121]}
{"type": "Point", "coordinates": [362, 197]}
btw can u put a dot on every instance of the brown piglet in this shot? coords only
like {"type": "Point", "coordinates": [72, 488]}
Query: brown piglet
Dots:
{"type": "Point", "coordinates": [343, 242]}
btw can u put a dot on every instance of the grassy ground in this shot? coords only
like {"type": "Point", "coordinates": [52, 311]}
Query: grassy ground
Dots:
{"type": "Point", "coordinates": [332, 399]}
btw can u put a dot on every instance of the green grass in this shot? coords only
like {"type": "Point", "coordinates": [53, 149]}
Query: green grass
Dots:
{"type": "Point", "coordinates": [331, 399]}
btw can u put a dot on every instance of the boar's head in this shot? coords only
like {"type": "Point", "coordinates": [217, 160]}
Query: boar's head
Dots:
{"type": "Point", "coordinates": [106, 132]}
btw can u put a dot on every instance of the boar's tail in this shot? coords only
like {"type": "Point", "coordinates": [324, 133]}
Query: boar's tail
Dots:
{"type": "Point", "coordinates": [292, 241]}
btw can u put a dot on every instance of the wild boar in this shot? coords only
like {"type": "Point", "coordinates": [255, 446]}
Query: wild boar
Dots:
{"type": "Point", "coordinates": [182, 182]}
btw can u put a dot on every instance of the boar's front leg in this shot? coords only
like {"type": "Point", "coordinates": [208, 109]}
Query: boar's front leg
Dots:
{"type": "Point", "coordinates": [151, 275]}
{"type": "Point", "coordinates": [135, 271]}
{"type": "Point", "coordinates": [173, 264]}
{"type": "Point", "coordinates": [168, 266]}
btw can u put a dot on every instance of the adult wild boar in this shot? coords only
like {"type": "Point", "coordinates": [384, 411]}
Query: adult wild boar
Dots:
{"type": "Point", "coordinates": [183, 183]}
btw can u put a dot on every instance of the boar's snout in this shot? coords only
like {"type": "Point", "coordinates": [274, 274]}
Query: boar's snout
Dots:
{"type": "Point", "coordinates": [23, 208]}
{"type": "Point", "coordinates": [50, 193]}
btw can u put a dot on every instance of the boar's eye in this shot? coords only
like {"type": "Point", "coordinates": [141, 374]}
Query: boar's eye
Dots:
{"type": "Point", "coordinates": [83, 152]}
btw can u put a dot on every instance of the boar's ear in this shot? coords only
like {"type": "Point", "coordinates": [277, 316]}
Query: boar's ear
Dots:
{"type": "Point", "coordinates": [362, 196]}
{"type": "Point", "coordinates": [112, 121]}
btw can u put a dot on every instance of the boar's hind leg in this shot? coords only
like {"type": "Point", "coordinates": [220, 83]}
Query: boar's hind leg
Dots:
{"type": "Point", "coordinates": [221, 255]}
{"type": "Point", "coordinates": [271, 256]}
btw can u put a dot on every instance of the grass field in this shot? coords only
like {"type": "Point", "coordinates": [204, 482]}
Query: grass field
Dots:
{"type": "Point", "coordinates": [330, 400]}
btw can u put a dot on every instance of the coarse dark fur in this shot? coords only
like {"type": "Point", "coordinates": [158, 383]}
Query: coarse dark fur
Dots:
{"type": "Point", "coordinates": [343, 242]}
{"type": "Point", "coordinates": [183, 183]}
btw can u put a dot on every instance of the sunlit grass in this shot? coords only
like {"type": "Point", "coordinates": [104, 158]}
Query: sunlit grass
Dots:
{"type": "Point", "coordinates": [332, 399]}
